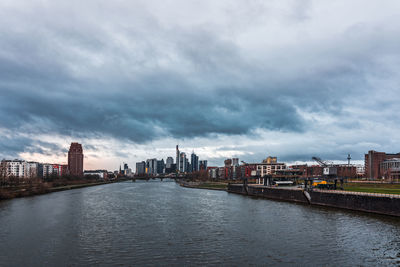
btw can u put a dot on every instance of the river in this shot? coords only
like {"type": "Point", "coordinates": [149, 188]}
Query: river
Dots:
{"type": "Point", "coordinates": [160, 223]}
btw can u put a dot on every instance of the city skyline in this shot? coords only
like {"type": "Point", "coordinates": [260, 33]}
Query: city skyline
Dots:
{"type": "Point", "coordinates": [188, 156]}
{"type": "Point", "coordinates": [199, 133]}
{"type": "Point", "coordinates": [247, 79]}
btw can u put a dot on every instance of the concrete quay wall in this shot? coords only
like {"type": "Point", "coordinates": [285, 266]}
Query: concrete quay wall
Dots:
{"type": "Point", "coordinates": [387, 205]}
{"type": "Point", "coordinates": [361, 202]}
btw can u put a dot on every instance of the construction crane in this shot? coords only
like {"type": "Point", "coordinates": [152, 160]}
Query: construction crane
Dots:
{"type": "Point", "coordinates": [320, 161]}
{"type": "Point", "coordinates": [329, 169]}
{"type": "Point", "coordinates": [330, 172]}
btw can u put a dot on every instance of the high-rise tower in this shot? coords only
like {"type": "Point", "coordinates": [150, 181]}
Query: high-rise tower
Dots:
{"type": "Point", "coordinates": [177, 157]}
{"type": "Point", "coordinates": [169, 162]}
{"type": "Point", "coordinates": [194, 161]}
{"type": "Point", "coordinates": [183, 162]}
{"type": "Point", "coordinates": [75, 159]}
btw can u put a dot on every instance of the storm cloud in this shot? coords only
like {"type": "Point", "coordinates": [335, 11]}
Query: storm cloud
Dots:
{"type": "Point", "coordinates": [142, 71]}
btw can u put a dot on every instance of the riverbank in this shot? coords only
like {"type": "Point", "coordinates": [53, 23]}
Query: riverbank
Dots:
{"type": "Point", "coordinates": [221, 186]}
{"type": "Point", "coordinates": [43, 188]}
{"type": "Point", "coordinates": [366, 202]}
{"type": "Point", "coordinates": [373, 187]}
{"type": "Point", "coordinates": [362, 187]}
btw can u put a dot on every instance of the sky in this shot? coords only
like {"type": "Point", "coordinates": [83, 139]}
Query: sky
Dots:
{"type": "Point", "coordinates": [131, 79]}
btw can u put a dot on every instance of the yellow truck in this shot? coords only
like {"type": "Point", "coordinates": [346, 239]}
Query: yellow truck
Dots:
{"type": "Point", "coordinates": [318, 182]}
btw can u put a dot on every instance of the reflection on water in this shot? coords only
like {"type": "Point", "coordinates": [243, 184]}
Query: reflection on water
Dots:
{"type": "Point", "coordinates": [160, 223]}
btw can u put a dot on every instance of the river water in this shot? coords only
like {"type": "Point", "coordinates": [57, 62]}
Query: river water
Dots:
{"type": "Point", "coordinates": [160, 223]}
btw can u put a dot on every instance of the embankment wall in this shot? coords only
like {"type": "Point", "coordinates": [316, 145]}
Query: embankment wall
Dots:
{"type": "Point", "coordinates": [361, 202]}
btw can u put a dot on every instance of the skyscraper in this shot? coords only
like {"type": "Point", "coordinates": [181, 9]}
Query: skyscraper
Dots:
{"type": "Point", "coordinates": [151, 165]}
{"type": "Point", "coordinates": [160, 166]}
{"type": "Point", "coordinates": [169, 162]}
{"type": "Point", "coordinates": [177, 158]}
{"type": "Point", "coordinates": [183, 162]}
{"type": "Point", "coordinates": [140, 167]}
{"type": "Point", "coordinates": [203, 164]}
{"type": "Point", "coordinates": [194, 161]}
{"type": "Point", "coordinates": [75, 159]}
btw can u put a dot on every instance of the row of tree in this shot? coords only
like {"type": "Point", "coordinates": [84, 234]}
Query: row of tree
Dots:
{"type": "Point", "coordinates": [16, 181]}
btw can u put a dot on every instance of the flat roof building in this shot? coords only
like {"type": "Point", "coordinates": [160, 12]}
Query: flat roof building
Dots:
{"type": "Point", "coordinates": [373, 162]}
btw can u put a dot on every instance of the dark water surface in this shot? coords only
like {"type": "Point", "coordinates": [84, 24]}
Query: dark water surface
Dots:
{"type": "Point", "coordinates": [161, 223]}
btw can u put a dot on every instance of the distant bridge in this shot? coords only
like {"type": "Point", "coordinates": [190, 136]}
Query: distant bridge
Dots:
{"type": "Point", "coordinates": [154, 178]}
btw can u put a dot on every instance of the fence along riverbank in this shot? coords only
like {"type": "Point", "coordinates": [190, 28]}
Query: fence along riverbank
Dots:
{"type": "Point", "coordinates": [386, 204]}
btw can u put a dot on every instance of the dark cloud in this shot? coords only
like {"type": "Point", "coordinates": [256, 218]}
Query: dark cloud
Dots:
{"type": "Point", "coordinates": [12, 146]}
{"type": "Point", "coordinates": [135, 79]}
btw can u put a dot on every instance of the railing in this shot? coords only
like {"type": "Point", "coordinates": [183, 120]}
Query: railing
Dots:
{"type": "Point", "coordinates": [373, 182]}
{"type": "Point", "coordinates": [357, 193]}
{"type": "Point", "coordinates": [259, 189]}
{"type": "Point", "coordinates": [275, 187]}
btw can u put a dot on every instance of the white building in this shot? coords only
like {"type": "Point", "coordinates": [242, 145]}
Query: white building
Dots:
{"type": "Point", "coordinates": [32, 169]}
{"type": "Point", "coordinates": [183, 162]}
{"type": "Point", "coordinates": [14, 168]}
{"type": "Point", "coordinates": [48, 170]}
{"type": "Point", "coordinates": [24, 169]}
{"type": "Point", "coordinates": [213, 173]}
{"type": "Point", "coordinates": [99, 173]}
{"type": "Point", "coordinates": [270, 168]}
{"type": "Point", "coordinates": [128, 172]}
{"type": "Point", "coordinates": [360, 169]}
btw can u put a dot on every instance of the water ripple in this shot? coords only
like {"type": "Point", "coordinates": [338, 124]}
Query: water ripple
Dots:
{"type": "Point", "coordinates": [160, 223]}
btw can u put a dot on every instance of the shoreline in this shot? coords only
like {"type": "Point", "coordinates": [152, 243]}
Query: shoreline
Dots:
{"type": "Point", "coordinates": [70, 187]}
{"type": "Point", "coordinates": [382, 204]}
{"type": "Point", "coordinates": [372, 203]}
{"type": "Point", "coordinates": [198, 185]}
{"type": "Point", "coordinates": [386, 189]}
{"type": "Point", "coordinates": [8, 194]}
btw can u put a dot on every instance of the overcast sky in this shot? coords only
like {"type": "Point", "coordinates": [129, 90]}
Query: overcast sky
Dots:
{"type": "Point", "coordinates": [131, 79]}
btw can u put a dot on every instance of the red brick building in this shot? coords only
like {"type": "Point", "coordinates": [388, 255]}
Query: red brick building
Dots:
{"type": "Point", "coordinates": [316, 171]}
{"type": "Point", "coordinates": [60, 169]}
{"type": "Point", "coordinates": [309, 171]}
{"type": "Point", "coordinates": [349, 171]}
{"type": "Point", "coordinates": [75, 159]}
{"type": "Point", "coordinates": [247, 169]}
{"type": "Point", "coordinates": [373, 162]}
